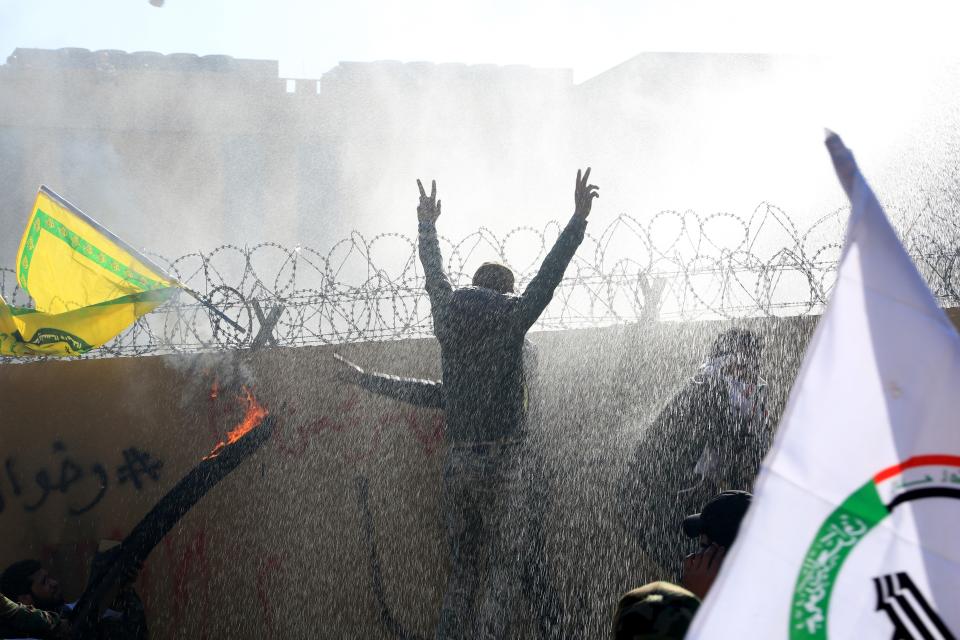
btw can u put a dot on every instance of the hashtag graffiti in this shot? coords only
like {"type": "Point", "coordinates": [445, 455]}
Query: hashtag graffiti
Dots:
{"type": "Point", "coordinates": [138, 465]}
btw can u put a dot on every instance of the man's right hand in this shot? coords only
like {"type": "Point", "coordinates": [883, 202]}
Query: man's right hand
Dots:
{"type": "Point", "coordinates": [429, 208]}
{"type": "Point", "coordinates": [347, 372]}
{"type": "Point", "coordinates": [700, 569]}
{"type": "Point", "coordinates": [583, 195]}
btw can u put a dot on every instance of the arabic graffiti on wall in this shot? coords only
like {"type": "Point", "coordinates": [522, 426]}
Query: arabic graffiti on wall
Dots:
{"type": "Point", "coordinates": [83, 483]}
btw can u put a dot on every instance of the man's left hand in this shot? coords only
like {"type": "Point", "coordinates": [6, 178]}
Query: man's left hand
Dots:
{"type": "Point", "coordinates": [583, 195]}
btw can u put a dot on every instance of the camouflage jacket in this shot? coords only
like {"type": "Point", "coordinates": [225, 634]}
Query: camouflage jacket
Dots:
{"type": "Point", "coordinates": [18, 621]}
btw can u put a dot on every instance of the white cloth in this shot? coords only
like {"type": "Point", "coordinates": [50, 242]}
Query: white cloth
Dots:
{"type": "Point", "coordinates": [846, 536]}
{"type": "Point", "coordinates": [747, 402]}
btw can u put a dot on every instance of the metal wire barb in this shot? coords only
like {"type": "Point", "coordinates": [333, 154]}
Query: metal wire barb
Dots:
{"type": "Point", "coordinates": [674, 266]}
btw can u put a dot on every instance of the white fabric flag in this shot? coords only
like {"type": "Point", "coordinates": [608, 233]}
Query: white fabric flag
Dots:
{"type": "Point", "coordinates": [854, 531]}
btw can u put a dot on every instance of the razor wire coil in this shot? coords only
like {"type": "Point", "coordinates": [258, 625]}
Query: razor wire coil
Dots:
{"type": "Point", "coordinates": [676, 266]}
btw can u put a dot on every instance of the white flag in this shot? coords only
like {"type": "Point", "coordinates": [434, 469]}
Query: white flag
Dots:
{"type": "Point", "coordinates": [854, 531]}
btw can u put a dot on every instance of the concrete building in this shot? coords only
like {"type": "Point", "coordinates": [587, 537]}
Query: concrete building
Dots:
{"type": "Point", "coordinates": [180, 152]}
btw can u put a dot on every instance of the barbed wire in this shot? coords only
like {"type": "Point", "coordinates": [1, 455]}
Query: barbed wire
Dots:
{"type": "Point", "coordinates": [674, 266]}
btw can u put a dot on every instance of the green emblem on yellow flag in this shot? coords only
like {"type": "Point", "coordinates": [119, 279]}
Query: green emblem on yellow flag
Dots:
{"type": "Point", "coordinates": [87, 285]}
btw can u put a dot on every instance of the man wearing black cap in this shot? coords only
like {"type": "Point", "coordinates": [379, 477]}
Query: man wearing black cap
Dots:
{"type": "Point", "coordinates": [715, 527]}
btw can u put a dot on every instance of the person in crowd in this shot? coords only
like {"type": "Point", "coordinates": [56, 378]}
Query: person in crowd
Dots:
{"type": "Point", "coordinates": [655, 611]}
{"type": "Point", "coordinates": [484, 393]}
{"type": "Point", "coordinates": [715, 528]}
{"type": "Point", "coordinates": [664, 610]}
{"type": "Point", "coordinates": [530, 500]}
{"type": "Point", "coordinates": [27, 582]}
{"type": "Point", "coordinates": [710, 437]}
{"type": "Point", "coordinates": [22, 621]}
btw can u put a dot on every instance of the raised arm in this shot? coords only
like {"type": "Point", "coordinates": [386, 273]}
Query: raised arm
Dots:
{"type": "Point", "coordinates": [438, 285]}
{"type": "Point", "coordinates": [421, 393]}
{"type": "Point", "coordinates": [415, 391]}
{"type": "Point", "coordinates": [539, 292]}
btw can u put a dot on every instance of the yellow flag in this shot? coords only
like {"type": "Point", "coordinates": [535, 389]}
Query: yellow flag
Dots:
{"type": "Point", "coordinates": [87, 285]}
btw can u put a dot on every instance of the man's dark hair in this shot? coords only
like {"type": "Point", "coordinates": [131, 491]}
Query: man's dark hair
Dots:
{"type": "Point", "coordinates": [493, 275]}
{"type": "Point", "coordinates": [17, 580]}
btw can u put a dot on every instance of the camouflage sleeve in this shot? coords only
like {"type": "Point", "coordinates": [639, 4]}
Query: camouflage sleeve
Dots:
{"type": "Point", "coordinates": [539, 292]}
{"type": "Point", "coordinates": [437, 284]}
{"type": "Point", "coordinates": [18, 620]}
{"type": "Point", "coordinates": [421, 393]}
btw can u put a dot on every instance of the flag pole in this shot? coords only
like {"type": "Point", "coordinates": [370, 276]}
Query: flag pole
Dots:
{"type": "Point", "coordinates": [139, 256]}
{"type": "Point", "coordinates": [209, 305]}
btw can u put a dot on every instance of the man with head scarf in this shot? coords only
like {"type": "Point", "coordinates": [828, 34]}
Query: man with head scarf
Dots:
{"type": "Point", "coordinates": [710, 437]}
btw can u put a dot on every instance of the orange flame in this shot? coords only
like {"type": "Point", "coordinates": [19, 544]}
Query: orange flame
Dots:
{"type": "Point", "coordinates": [254, 415]}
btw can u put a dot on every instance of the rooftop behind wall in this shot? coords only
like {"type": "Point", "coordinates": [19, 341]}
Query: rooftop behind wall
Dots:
{"type": "Point", "coordinates": [359, 73]}
{"type": "Point", "coordinates": [171, 135]}
{"type": "Point", "coordinates": [108, 60]}
{"type": "Point", "coordinates": [143, 92]}
{"type": "Point", "coordinates": [345, 76]}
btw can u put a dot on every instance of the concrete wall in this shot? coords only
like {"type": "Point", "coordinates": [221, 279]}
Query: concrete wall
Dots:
{"type": "Point", "coordinates": [224, 150]}
{"type": "Point", "coordinates": [287, 545]}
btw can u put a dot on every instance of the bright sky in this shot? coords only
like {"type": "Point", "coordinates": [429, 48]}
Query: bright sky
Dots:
{"type": "Point", "coordinates": [310, 37]}
{"type": "Point", "coordinates": [876, 101]}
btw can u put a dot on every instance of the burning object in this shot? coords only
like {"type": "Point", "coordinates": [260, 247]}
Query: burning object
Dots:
{"type": "Point", "coordinates": [242, 441]}
{"type": "Point", "coordinates": [254, 415]}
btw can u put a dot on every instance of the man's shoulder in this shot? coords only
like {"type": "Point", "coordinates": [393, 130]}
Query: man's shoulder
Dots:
{"type": "Point", "coordinates": [472, 292]}
{"type": "Point", "coordinates": [479, 300]}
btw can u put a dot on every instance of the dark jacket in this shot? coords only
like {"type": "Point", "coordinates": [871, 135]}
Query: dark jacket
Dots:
{"type": "Point", "coordinates": [431, 394]}
{"type": "Point", "coordinates": [481, 334]}
{"type": "Point", "coordinates": [661, 485]}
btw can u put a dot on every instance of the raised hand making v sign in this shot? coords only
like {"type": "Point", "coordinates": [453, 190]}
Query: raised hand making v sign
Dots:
{"type": "Point", "coordinates": [429, 208]}
{"type": "Point", "coordinates": [484, 394]}
{"type": "Point", "coordinates": [582, 197]}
